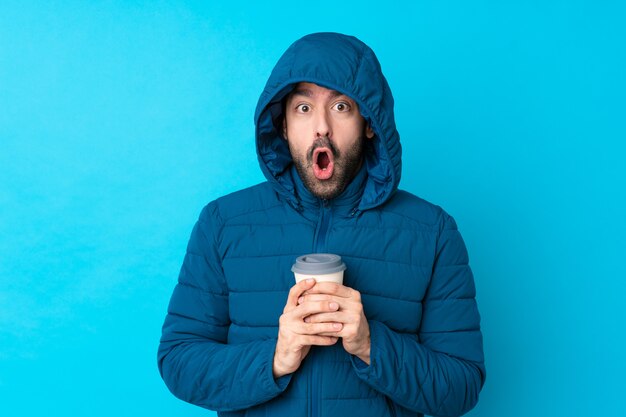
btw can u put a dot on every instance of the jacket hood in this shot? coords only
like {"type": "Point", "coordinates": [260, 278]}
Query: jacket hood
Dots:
{"type": "Point", "coordinates": [345, 64]}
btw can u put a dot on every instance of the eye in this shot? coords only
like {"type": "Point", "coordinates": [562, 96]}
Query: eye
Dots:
{"type": "Point", "coordinates": [342, 106]}
{"type": "Point", "coordinates": [303, 108]}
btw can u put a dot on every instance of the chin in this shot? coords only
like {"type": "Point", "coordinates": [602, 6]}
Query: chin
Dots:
{"type": "Point", "coordinates": [325, 191]}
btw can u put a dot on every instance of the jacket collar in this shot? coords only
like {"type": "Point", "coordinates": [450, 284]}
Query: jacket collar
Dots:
{"type": "Point", "coordinates": [345, 204]}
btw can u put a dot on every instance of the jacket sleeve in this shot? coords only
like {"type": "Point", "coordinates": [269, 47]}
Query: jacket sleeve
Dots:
{"type": "Point", "coordinates": [441, 370]}
{"type": "Point", "coordinates": [194, 358]}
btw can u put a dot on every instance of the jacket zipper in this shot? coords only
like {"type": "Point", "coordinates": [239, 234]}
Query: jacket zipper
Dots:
{"type": "Point", "coordinates": [314, 412]}
{"type": "Point", "coordinates": [319, 245]}
{"type": "Point", "coordinates": [322, 227]}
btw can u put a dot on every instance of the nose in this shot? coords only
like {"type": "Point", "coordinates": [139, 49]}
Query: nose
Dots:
{"type": "Point", "coordinates": [322, 125]}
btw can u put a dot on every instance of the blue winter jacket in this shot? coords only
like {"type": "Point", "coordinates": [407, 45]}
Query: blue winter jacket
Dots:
{"type": "Point", "coordinates": [404, 255]}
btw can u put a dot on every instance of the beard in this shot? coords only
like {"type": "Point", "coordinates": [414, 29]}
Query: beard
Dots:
{"type": "Point", "coordinates": [346, 165]}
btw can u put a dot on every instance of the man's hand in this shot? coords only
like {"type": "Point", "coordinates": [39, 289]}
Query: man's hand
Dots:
{"type": "Point", "coordinates": [356, 330]}
{"type": "Point", "coordinates": [295, 337]}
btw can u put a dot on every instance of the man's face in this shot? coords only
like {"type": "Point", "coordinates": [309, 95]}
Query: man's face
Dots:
{"type": "Point", "coordinates": [325, 133]}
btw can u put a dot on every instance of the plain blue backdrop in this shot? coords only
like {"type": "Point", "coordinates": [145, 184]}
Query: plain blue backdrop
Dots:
{"type": "Point", "coordinates": [120, 120]}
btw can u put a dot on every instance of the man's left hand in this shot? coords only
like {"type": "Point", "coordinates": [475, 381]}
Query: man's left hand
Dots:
{"type": "Point", "coordinates": [355, 332]}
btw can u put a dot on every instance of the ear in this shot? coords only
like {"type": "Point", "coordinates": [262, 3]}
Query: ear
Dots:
{"type": "Point", "coordinates": [369, 133]}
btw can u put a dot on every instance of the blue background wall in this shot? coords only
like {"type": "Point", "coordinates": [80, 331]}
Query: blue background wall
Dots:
{"type": "Point", "coordinates": [120, 120]}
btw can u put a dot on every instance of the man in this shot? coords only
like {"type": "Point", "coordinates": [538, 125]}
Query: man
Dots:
{"type": "Point", "coordinates": [401, 337]}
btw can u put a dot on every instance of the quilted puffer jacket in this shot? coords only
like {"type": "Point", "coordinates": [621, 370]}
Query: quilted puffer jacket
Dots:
{"type": "Point", "coordinates": [404, 255]}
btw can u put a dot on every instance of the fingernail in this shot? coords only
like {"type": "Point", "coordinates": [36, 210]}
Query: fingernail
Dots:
{"type": "Point", "coordinates": [337, 325]}
{"type": "Point", "coordinates": [310, 280]}
{"type": "Point", "coordinates": [306, 319]}
{"type": "Point", "coordinates": [334, 306]}
{"type": "Point", "coordinates": [301, 300]}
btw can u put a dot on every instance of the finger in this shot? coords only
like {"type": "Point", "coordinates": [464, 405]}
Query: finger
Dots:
{"type": "Point", "coordinates": [296, 291]}
{"type": "Point", "coordinates": [318, 328]}
{"type": "Point", "coordinates": [332, 334]}
{"type": "Point", "coordinates": [345, 304]}
{"type": "Point", "coordinates": [318, 340]}
{"type": "Point", "coordinates": [332, 288]}
{"type": "Point", "coordinates": [313, 307]}
{"type": "Point", "coordinates": [339, 317]}
{"type": "Point", "coordinates": [317, 297]}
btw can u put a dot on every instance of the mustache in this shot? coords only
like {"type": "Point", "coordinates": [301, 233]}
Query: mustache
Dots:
{"type": "Point", "coordinates": [323, 142]}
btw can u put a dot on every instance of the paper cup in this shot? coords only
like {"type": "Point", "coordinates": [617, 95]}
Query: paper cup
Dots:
{"type": "Point", "coordinates": [320, 266]}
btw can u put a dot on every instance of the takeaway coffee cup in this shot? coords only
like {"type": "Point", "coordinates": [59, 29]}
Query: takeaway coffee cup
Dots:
{"type": "Point", "coordinates": [321, 266]}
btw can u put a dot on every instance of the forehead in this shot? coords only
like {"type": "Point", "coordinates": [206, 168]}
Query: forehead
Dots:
{"type": "Point", "coordinates": [312, 90]}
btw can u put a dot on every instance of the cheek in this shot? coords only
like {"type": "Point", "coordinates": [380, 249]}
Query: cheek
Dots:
{"type": "Point", "coordinates": [348, 133]}
{"type": "Point", "coordinates": [297, 130]}
{"type": "Point", "coordinates": [296, 146]}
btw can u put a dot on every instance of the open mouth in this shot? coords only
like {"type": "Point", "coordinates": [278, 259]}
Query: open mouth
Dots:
{"type": "Point", "coordinates": [323, 163]}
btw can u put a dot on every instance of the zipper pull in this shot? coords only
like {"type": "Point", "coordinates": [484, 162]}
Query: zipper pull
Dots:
{"type": "Point", "coordinates": [354, 212]}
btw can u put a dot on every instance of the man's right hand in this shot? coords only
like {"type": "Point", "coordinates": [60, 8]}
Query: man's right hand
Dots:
{"type": "Point", "coordinates": [295, 337]}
